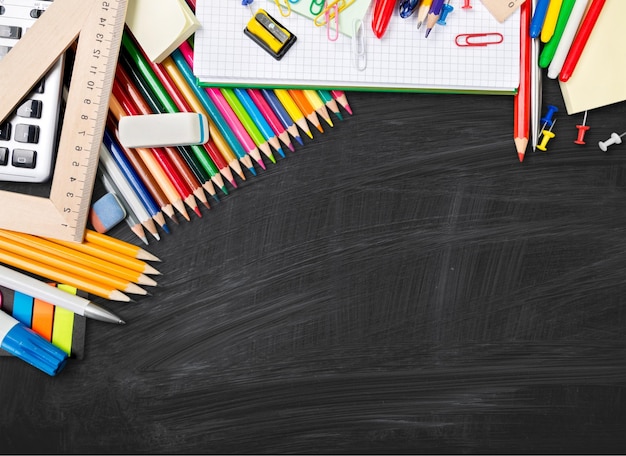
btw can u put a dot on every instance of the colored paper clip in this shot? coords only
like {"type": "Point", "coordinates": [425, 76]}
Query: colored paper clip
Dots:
{"type": "Point", "coordinates": [478, 39]}
{"type": "Point", "coordinates": [283, 7]}
{"type": "Point", "coordinates": [359, 53]}
{"type": "Point", "coordinates": [317, 6]}
{"type": "Point", "coordinates": [328, 18]}
{"type": "Point", "coordinates": [333, 9]}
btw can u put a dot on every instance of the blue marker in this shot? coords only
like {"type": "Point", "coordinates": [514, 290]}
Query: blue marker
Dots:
{"type": "Point", "coordinates": [539, 16]}
{"type": "Point", "coordinates": [21, 341]}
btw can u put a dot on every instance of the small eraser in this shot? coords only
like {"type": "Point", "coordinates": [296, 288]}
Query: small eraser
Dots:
{"type": "Point", "coordinates": [163, 130]}
{"type": "Point", "coordinates": [106, 213]}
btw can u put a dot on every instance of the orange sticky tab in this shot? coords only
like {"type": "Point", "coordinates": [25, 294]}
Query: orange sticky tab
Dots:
{"type": "Point", "coordinates": [43, 318]}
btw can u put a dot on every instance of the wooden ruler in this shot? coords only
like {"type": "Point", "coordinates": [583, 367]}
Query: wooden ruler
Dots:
{"type": "Point", "coordinates": [98, 25]}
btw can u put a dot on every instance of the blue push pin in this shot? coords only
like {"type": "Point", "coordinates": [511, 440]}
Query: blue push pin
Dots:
{"type": "Point", "coordinates": [547, 120]}
{"type": "Point", "coordinates": [447, 9]}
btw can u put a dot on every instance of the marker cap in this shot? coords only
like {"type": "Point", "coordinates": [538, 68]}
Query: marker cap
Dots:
{"type": "Point", "coordinates": [29, 346]}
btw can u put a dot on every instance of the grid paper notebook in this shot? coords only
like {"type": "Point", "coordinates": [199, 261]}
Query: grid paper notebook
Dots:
{"type": "Point", "coordinates": [402, 60]}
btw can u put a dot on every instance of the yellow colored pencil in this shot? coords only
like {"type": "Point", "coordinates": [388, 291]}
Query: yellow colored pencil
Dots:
{"type": "Point", "coordinates": [117, 245]}
{"type": "Point", "coordinates": [43, 270]}
{"type": "Point", "coordinates": [78, 257]}
{"type": "Point", "coordinates": [318, 104]}
{"type": "Point", "coordinates": [108, 255]}
{"type": "Point", "coordinates": [69, 267]}
{"type": "Point", "coordinates": [292, 109]}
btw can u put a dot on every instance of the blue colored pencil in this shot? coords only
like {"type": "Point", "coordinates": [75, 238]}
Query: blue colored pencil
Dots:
{"type": "Point", "coordinates": [259, 119]}
{"type": "Point", "coordinates": [134, 180]}
{"type": "Point", "coordinates": [281, 113]}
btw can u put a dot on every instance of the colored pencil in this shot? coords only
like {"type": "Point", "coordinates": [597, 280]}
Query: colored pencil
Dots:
{"type": "Point", "coordinates": [66, 266]}
{"type": "Point", "coordinates": [133, 179]}
{"type": "Point", "coordinates": [318, 104]}
{"type": "Point", "coordinates": [567, 38]}
{"type": "Point", "coordinates": [85, 259]}
{"type": "Point", "coordinates": [107, 254]}
{"type": "Point", "coordinates": [282, 114]}
{"type": "Point", "coordinates": [183, 58]}
{"type": "Point", "coordinates": [292, 109]}
{"type": "Point", "coordinates": [259, 119]}
{"type": "Point", "coordinates": [108, 168]}
{"type": "Point", "coordinates": [120, 105]}
{"type": "Point", "coordinates": [305, 107]}
{"type": "Point", "coordinates": [331, 103]}
{"type": "Point", "coordinates": [550, 22]}
{"type": "Point", "coordinates": [235, 124]}
{"type": "Point", "coordinates": [522, 98]}
{"type": "Point", "coordinates": [271, 117]}
{"type": "Point", "coordinates": [342, 99]}
{"type": "Point", "coordinates": [51, 273]}
{"type": "Point", "coordinates": [185, 98]}
{"type": "Point", "coordinates": [247, 123]}
{"type": "Point", "coordinates": [119, 246]}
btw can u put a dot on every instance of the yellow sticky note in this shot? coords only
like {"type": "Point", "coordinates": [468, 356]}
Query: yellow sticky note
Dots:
{"type": "Point", "coordinates": [160, 26]}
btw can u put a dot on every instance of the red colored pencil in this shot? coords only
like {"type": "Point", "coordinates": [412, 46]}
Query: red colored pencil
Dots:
{"type": "Point", "coordinates": [521, 102]}
{"type": "Point", "coordinates": [576, 49]}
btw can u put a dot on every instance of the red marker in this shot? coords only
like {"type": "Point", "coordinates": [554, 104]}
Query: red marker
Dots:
{"type": "Point", "coordinates": [382, 14]}
{"type": "Point", "coordinates": [580, 40]}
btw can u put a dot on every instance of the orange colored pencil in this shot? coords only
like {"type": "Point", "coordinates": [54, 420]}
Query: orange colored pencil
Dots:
{"type": "Point", "coordinates": [305, 106]}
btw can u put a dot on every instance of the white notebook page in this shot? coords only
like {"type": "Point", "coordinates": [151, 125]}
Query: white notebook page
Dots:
{"type": "Point", "coordinates": [402, 60]}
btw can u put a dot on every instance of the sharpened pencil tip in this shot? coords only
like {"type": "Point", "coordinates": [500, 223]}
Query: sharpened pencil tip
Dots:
{"type": "Point", "coordinates": [252, 171]}
{"type": "Point", "coordinates": [165, 228]}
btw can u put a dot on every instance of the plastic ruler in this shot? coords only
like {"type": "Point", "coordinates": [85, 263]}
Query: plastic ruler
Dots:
{"type": "Point", "coordinates": [98, 25]}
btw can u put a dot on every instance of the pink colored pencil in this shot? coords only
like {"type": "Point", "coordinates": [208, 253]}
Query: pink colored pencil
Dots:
{"type": "Point", "coordinates": [340, 96]}
{"type": "Point", "coordinates": [235, 124]}
{"type": "Point", "coordinates": [271, 118]}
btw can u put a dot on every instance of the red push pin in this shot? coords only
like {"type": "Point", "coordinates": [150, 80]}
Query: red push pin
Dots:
{"type": "Point", "coordinates": [466, 4]}
{"type": "Point", "coordinates": [582, 129]}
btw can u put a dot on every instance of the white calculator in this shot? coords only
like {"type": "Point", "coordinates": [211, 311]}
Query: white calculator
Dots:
{"type": "Point", "coordinates": [28, 137]}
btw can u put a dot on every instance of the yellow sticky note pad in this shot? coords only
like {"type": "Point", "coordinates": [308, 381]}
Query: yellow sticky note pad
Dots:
{"type": "Point", "coordinates": [160, 26]}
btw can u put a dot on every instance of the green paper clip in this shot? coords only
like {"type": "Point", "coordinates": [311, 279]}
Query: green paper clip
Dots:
{"type": "Point", "coordinates": [268, 33]}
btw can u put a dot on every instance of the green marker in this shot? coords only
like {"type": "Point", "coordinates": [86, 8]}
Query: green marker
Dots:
{"type": "Point", "coordinates": [550, 47]}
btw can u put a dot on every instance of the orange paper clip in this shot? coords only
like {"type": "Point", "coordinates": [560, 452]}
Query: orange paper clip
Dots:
{"type": "Point", "coordinates": [478, 39]}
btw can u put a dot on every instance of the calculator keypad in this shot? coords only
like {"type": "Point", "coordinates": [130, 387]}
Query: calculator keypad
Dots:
{"type": "Point", "coordinates": [28, 137]}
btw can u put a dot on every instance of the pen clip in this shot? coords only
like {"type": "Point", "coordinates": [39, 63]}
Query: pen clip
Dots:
{"type": "Point", "coordinates": [478, 39]}
{"type": "Point", "coordinates": [359, 53]}
{"type": "Point", "coordinates": [284, 8]}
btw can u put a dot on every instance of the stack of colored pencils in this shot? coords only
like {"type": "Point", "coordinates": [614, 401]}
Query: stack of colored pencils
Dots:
{"type": "Point", "coordinates": [101, 265]}
{"type": "Point", "coordinates": [248, 127]}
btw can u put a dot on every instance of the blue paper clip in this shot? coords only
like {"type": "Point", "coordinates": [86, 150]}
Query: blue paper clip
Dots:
{"type": "Point", "coordinates": [478, 39]}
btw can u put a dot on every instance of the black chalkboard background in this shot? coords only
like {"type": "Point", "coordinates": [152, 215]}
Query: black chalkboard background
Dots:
{"type": "Point", "coordinates": [401, 284]}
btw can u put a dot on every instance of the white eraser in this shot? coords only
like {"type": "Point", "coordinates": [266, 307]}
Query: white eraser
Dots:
{"type": "Point", "coordinates": [162, 130]}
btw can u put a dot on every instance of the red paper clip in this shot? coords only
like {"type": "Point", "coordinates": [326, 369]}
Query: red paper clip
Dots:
{"type": "Point", "coordinates": [478, 39]}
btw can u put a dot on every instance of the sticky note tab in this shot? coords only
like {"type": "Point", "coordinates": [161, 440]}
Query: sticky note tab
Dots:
{"type": "Point", "coordinates": [160, 26]}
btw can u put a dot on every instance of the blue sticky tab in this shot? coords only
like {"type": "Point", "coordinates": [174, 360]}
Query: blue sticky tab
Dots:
{"type": "Point", "coordinates": [23, 308]}
{"type": "Point", "coordinates": [106, 213]}
{"type": "Point", "coordinates": [22, 342]}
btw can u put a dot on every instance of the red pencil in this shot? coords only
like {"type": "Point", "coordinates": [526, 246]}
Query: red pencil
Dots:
{"type": "Point", "coordinates": [576, 49]}
{"type": "Point", "coordinates": [521, 102]}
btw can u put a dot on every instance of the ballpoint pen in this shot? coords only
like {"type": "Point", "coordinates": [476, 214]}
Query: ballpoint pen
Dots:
{"type": "Point", "coordinates": [37, 289]}
{"type": "Point", "coordinates": [383, 9]}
